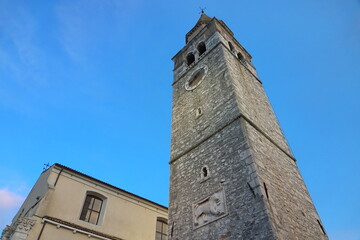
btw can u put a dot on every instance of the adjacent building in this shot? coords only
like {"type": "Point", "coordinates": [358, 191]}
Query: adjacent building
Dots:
{"type": "Point", "coordinates": [67, 204]}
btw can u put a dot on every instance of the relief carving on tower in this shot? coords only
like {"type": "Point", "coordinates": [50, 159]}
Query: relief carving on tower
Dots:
{"type": "Point", "coordinates": [209, 209]}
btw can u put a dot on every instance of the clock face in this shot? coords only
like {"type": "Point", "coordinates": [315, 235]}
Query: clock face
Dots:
{"type": "Point", "coordinates": [196, 78]}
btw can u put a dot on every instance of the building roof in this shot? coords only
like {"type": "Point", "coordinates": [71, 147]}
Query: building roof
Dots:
{"type": "Point", "coordinates": [107, 184]}
{"type": "Point", "coordinates": [203, 20]}
{"type": "Point", "coordinates": [72, 225]}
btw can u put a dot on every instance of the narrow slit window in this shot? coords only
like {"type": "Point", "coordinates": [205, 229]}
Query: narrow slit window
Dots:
{"type": "Point", "coordinates": [266, 191]}
{"type": "Point", "coordinates": [172, 229]}
{"type": "Point", "coordinates": [205, 172]}
{"type": "Point", "coordinates": [199, 112]}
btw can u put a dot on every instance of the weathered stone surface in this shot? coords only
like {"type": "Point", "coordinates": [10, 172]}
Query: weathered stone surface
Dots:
{"type": "Point", "coordinates": [252, 188]}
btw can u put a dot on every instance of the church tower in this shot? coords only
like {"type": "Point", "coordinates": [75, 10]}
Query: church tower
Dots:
{"type": "Point", "coordinates": [233, 175]}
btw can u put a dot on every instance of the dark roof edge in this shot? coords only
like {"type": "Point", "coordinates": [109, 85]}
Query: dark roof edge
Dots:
{"type": "Point", "coordinates": [73, 225]}
{"type": "Point", "coordinates": [204, 19]}
{"type": "Point", "coordinates": [107, 184]}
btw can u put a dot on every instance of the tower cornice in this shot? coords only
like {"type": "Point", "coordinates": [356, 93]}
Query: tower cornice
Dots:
{"type": "Point", "coordinates": [218, 26]}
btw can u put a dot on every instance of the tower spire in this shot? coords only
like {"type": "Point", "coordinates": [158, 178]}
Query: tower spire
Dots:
{"type": "Point", "coordinates": [203, 17]}
{"type": "Point", "coordinates": [203, 20]}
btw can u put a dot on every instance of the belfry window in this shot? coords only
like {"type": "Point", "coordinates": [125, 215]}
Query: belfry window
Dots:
{"type": "Point", "coordinates": [241, 57]}
{"type": "Point", "coordinates": [161, 229]}
{"type": "Point", "coordinates": [92, 209]}
{"type": "Point", "coordinates": [231, 46]}
{"type": "Point", "coordinates": [201, 48]}
{"type": "Point", "coordinates": [190, 58]}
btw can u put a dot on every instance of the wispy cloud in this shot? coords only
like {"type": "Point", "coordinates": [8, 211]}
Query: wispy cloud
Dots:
{"type": "Point", "coordinates": [22, 58]}
{"type": "Point", "coordinates": [9, 205]}
{"type": "Point", "coordinates": [83, 25]}
{"type": "Point", "coordinates": [27, 59]}
{"type": "Point", "coordinates": [9, 199]}
{"type": "Point", "coordinates": [13, 189]}
{"type": "Point", "coordinates": [72, 30]}
{"type": "Point", "coordinates": [20, 53]}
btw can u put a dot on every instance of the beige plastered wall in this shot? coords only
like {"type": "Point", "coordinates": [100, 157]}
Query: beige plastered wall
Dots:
{"type": "Point", "coordinates": [125, 216]}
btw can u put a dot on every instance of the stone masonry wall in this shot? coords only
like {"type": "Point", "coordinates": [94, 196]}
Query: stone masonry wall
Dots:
{"type": "Point", "coordinates": [253, 102]}
{"type": "Point", "coordinates": [227, 126]}
{"type": "Point", "coordinates": [288, 199]}
{"type": "Point", "coordinates": [292, 209]}
{"type": "Point", "coordinates": [230, 169]}
{"type": "Point", "coordinates": [214, 139]}
{"type": "Point", "coordinates": [214, 96]}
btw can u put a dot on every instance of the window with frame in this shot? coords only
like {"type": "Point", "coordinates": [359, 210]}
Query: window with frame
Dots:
{"type": "Point", "coordinates": [91, 209]}
{"type": "Point", "coordinates": [161, 229]}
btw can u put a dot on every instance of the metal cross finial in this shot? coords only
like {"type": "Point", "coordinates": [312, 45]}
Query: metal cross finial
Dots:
{"type": "Point", "coordinates": [46, 166]}
{"type": "Point", "coordinates": [202, 9]}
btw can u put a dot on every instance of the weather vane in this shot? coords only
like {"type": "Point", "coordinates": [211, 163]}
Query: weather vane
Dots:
{"type": "Point", "coordinates": [202, 10]}
{"type": "Point", "coordinates": [46, 166]}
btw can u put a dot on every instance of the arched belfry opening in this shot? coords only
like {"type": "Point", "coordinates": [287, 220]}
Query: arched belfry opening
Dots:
{"type": "Point", "coordinates": [201, 48]}
{"type": "Point", "coordinates": [241, 57]}
{"type": "Point", "coordinates": [190, 58]}
{"type": "Point", "coordinates": [231, 46]}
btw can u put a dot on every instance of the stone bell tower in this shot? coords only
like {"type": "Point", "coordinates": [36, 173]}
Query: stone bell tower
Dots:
{"type": "Point", "coordinates": [233, 175]}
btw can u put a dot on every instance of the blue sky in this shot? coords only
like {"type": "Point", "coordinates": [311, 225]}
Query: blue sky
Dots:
{"type": "Point", "coordinates": [87, 83]}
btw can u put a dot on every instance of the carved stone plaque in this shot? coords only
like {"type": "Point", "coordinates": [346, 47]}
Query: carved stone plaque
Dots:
{"type": "Point", "coordinates": [209, 209]}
